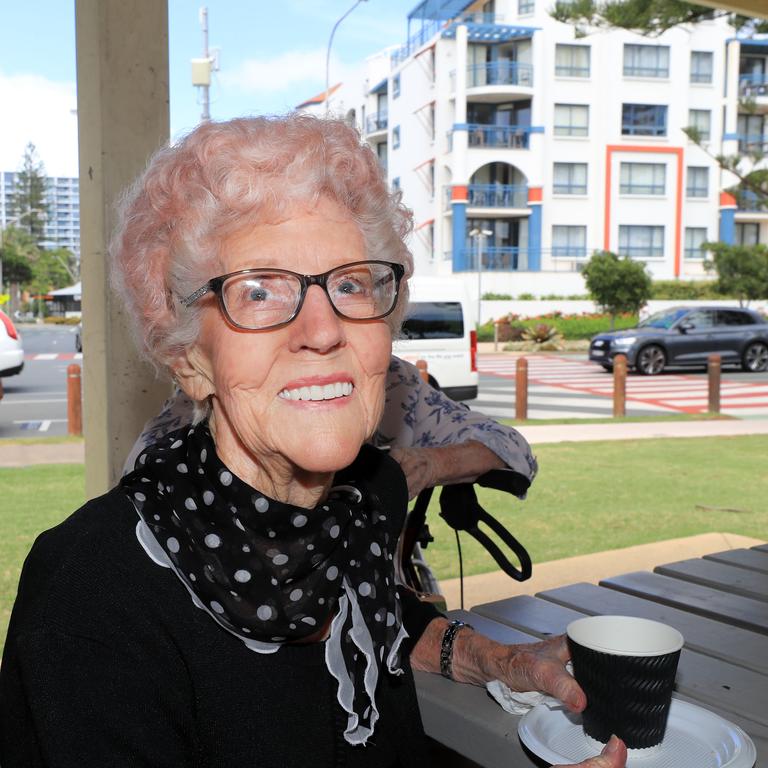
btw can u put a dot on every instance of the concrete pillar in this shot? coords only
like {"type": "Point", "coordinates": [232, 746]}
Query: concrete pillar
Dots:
{"type": "Point", "coordinates": [123, 115]}
{"type": "Point", "coordinates": [535, 196]}
{"type": "Point", "coordinates": [460, 137]}
{"type": "Point", "coordinates": [461, 256]}
{"type": "Point", "coordinates": [727, 232]}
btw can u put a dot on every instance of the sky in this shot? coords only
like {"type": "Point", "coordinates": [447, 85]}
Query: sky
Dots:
{"type": "Point", "coordinates": [272, 57]}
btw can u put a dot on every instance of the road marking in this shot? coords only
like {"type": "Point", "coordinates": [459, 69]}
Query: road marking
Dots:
{"type": "Point", "coordinates": [38, 426]}
{"type": "Point", "coordinates": [55, 356]}
{"type": "Point", "coordinates": [11, 401]}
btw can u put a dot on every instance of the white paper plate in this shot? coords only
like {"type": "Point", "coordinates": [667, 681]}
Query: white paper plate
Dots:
{"type": "Point", "coordinates": [695, 738]}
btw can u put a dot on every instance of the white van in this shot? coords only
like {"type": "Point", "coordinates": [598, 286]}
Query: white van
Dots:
{"type": "Point", "coordinates": [439, 328]}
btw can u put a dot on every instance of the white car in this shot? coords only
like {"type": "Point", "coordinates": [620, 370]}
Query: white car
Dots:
{"type": "Point", "coordinates": [11, 351]}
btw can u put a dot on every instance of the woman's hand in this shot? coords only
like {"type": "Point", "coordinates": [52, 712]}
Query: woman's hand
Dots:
{"type": "Point", "coordinates": [444, 465]}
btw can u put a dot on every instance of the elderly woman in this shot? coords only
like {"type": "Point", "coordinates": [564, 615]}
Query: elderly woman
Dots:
{"type": "Point", "coordinates": [233, 601]}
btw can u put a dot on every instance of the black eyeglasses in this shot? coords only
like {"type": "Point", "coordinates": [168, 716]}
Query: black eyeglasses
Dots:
{"type": "Point", "coordinates": [258, 299]}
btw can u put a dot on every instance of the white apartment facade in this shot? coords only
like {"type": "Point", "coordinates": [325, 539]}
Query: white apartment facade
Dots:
{"type": "Point", "coordinates": [494, 118]}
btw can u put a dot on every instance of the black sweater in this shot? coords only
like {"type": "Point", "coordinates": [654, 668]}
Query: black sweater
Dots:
{"type": "Point", "coordinates": [108, 663]}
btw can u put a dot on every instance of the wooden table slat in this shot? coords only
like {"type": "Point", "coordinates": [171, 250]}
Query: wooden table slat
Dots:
{"type": "Point", "coordinates": [709, 680]}
{"type": "Point", "coordinates": [750, 559]}
{"type": "Point", "coordinates": [694, 598]}
{"type": "Point", "coordinates": [722, 576]}
{"type": "Point", "coordinates": [714, 638]}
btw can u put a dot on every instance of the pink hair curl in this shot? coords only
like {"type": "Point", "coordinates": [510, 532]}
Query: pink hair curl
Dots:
{"type": "Point", "coordinates": [221, 178]}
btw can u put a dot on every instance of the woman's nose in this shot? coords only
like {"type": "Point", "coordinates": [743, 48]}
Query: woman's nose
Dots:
{"type": "Point", "coordinates": [317, 326]}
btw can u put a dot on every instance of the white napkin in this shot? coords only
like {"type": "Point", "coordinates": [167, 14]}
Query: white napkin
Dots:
{"type": "Point", "coordinates": [520, 702]}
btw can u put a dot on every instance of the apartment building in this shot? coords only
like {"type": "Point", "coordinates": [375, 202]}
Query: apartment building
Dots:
{"type": "Point", "coordinates": [522, 147]}
{"type": "Point", "coordinates": [62, 226]}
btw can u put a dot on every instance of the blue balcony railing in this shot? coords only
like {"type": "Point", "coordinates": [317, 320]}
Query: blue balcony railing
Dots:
{"type": "Point", "coordinates": [497, 195]}
{"type": "Point", "coordinates": [499, 73]}
{"type": "Point", "coordinates": [753, 83]}
{"type": "Point", "coordinates": [376, 122]}
{"type": "Point", "coordinates": [510, 136]}
{"type": "Point", "coordinates": [756, 143]}
{"type": "Point", "coordinates": [750, 201]}
{"type": "Point", "coordinates": [496, 259]}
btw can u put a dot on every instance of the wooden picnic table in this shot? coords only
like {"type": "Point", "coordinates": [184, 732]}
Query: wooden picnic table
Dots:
{"type": "Point", "coordinates": [719, 603]}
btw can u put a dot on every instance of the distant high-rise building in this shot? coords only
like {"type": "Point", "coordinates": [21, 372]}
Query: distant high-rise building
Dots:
{"type": "Point", "coordinates": [508, 132]}
{"type": "Point", "coordinates": [62, 226]}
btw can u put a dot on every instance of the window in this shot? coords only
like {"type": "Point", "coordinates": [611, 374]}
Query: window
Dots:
{"type": "Point", "coordinates": [382, 154]}
{"type": "Point", "coordinates": [571, 60]}
{"type": "Point", "coordinates": [640, 242]}
{"type": "Point", "coordinates": [643, 120]}
{"type": "Point", "coordinates": [569, 242]}
{"type": "Point", "coordinates": [697, 181]}
{"type": "Point", "coordinates": [396, 184]}
{"type": "Point", "coordinates": [396, 137]}
{"type": "Point", "coordinates": [734, 317]}
{"type": "Point", "coordinates": [569, 179]}
{"type": "Point", "coordinates": [525, 6]}
{"type": "Point", "coordinates": [571, 120]}
{"type": "Point", "coordinates": [747, 234]}
{"type": "Point", "coordinates": [752, 133]}
{"type": "Point", "coordinates": [643, 179]}
{"type": "Point", "coordinates": [700, 318]}
{"type": "Point", "coordinates": [695, 237]}
{"type": "Point", "coordinates": [701, 66]}
{"type": "Point", "coordinates": [701, 120]}
{"type": "Point", "coordinates": [646, 60]}
{"type": "Point", "coordinates": [396, 86]}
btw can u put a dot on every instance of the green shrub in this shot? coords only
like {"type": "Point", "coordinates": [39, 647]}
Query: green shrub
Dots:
{"type": "Point", "coordinates": [684, 290]}
{"type": "Point", "coordinates": [497, 297]}
{"type": "Point", "coordinates": [526, 297]}
{"type": "Point", "coordinates": [571, 327]}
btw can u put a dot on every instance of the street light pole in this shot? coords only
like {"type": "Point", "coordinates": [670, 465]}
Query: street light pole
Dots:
{"type": "Point", "coordinates": [479, 235]}
{"type": "Point", "coordinates": [328, 56]}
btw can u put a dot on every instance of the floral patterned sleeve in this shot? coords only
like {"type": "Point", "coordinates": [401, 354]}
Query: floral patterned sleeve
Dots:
{"type": "Point", "coordinates": [417, 415]}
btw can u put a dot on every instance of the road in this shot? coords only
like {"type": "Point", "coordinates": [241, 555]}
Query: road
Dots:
{"type": "Point", "coordinates": [560, 386]}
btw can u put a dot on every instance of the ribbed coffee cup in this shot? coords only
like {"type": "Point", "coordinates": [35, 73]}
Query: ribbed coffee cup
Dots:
{"type": "Point", "coordinates": [627, 668]}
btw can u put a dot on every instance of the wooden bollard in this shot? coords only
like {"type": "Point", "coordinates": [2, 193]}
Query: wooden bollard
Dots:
{"type": "Point", "coordinates": [495, 336]}
{"type": "Point", "coordinates": [714, 371]}
{"type": "Point", "coordinates": [521, 389]}
{"type": "Point", "coordinates": [422, 366]}
{"type": "Point", "coordinates": [74, 400]}
{"type": "Point", "coordinates": [619, 386]}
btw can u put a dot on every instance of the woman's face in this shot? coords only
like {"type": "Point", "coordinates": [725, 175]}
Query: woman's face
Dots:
{"type": "Point", "coordinates": [256, 425]}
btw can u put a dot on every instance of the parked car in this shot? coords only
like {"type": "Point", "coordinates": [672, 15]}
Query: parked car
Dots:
{"type": "Point", "coordinates": [79, 338]}
{"type": "Point", "coordinates": [11, 351]}
{"type": "Point", "coordinates": [686, 336]}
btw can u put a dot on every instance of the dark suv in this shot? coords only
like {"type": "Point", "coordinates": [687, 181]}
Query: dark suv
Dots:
{"type": "Point", "coordinates": [687, 336]}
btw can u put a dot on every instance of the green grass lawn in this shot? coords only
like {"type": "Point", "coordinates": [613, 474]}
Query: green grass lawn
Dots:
{"type": "Point", "coordinates": [588, 497]}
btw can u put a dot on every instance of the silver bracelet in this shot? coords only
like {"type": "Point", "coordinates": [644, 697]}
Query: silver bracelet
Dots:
{"type": "Point", "coordinates": [446, 647]}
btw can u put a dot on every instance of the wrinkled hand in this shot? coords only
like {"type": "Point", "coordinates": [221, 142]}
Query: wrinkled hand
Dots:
{"type": "Point", "coordinates": [419, 466]}
{"type": "Point", "coordinates": [614, 755]}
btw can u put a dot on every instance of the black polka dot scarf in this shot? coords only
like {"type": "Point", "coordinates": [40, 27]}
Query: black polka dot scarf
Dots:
{"type": "Point", "coordinates": [273, 573]}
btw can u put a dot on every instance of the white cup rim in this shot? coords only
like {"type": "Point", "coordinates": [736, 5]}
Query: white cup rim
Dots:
{"type": "Point", "coordinates": [625, 635]}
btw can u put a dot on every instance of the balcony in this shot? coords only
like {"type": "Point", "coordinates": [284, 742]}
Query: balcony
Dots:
{"type": "Point", "coordinates": [497, 196]}
{"type": "Point", "coordinates": [498, 136]}
{"type": "Point", "coordinates": [753, 84]}
{"type": "Point", "coordinates": [376, 123]}
{"type": "Point", "coordinates": [753, 142]}
{"type": "Point", "coordinates": [504, 73]}
{"type": "Point", "coordinates": [496, 259]}
{"type": "Point", "coordinates": [750, 202]}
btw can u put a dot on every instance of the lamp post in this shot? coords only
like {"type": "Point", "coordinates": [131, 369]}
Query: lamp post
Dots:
{"type": "Point", "coordinates": [479, 235]}
{"type": "Point", "coordinates": [328, 56]}
{"type": "Point", "coordinates": [9, 222]}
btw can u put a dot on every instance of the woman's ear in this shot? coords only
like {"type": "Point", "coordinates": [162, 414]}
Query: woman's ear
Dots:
{"type": "Point", "coordinates": [192, 370]}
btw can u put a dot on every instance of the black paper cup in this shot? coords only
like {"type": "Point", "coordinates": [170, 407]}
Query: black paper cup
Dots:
{"type": "Point", "coordinates": [626, 667]}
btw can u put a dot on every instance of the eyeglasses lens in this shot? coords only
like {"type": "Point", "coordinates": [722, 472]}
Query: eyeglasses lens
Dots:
{"type": "Point", "coordinates": [263, 298]}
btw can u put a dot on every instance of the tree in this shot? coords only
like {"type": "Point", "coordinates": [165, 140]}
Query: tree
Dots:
{"type": "Point", "coordinates": [52, 270]}
{"type": "Point", "coordinates": [28, 202]}
{"type": "Point", "coordinates": [617, 285]}
{"type": "Point", "coordinates": [742, 270]}
{"type": "Point", "coordinates": [18, 254]}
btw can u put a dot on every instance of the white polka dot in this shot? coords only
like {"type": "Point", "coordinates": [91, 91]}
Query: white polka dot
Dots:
{"type": "Point", "coordinates": [143, 458]}
{"type": "Point", "coordinates": [280, 559]}
{"type": "Point", "coordinates": [364, 589]}
{"type": "Point", "coordinates": [242, 576]}
{"type": "Point", "coordinates": [217, 607]}
{"type": "Point", "coordinates": [296, 595]}
{"type": "Point", "coordinates": [310, 547]}
{"type": "Point", "coordinates": [176, 444]}
{"type": "Point", "coordinates": [192, 577]}
{"type": "Point", "coordinates": [334, 532]}
{"type": "Point", "coordinates": [190, 503]}
{"type": "Point", "coordinates": [271, 534]}
{"type": "Point", "coordinates": [203, 455]}
{"type": "Point", "coordinates": [225, 478]}
{"type": "Point", "coordinates": [390, 619]}
{"type": "Point", "coordinates": [376, 549]}
{"type": "Point", "coordinates": [239, 524]}
{"type": "Point", "coordinates": [321, 601]}
{"type": "Point", "coordinates": [273, 580]}
{"type": "Point", "coordinates": [139, 496]}
{"type": "Point", "coordinates": [212, 541]}
{"type": "Point", "coordinates": [309, 620]}
{"type": "Point", "coordinates": [261, 504]}
{"type": "Point", "coordinates": [264, 612]}
{"type": "Point", "coordinates": [300, 521]}
{"type": "Point", "coordinates": [157, 517]}
{"type": "Point", "coordinates": [208, 497]}
{"type": "Point", "coordinates": [182, 468]}
{"type": "Point", "coordinates": [172, 544]}
{"type": "Point", "coordinates": [332, 573]}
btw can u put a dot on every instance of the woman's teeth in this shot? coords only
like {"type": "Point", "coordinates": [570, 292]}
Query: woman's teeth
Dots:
{"type": "Point", "coordinates": [317, 392]}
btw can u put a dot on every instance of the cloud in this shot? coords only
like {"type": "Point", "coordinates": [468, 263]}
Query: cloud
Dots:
{"type": "Point", "coordinates": [41, 111]}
